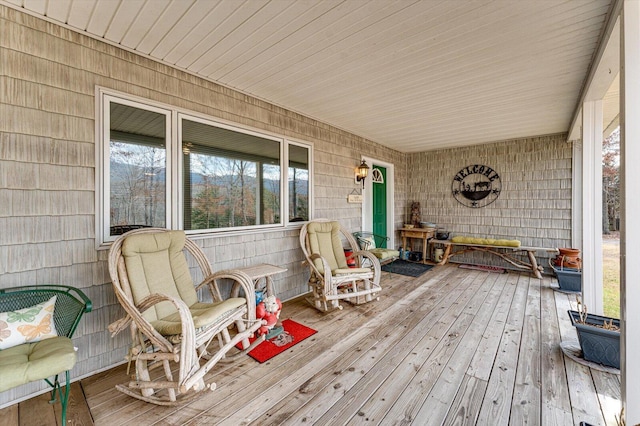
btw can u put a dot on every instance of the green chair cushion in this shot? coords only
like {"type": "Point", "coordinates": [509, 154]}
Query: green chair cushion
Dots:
{"type": "Point", "coordinates": [383, 253]}
{"type": "Point", "coordinates": [156, 264]}
{"type": "Point", "coordinates": [35, 361]}
{"type": "Point", "coordinates": [203, 314]}
{"type": "Point", "coordinates": [485, 241]}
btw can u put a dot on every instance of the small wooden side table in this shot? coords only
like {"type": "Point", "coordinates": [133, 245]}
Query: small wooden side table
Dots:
{"type": "Point", "coordinates": [417, 233]}
{"type": "Point", "coordinates": [257, 273]}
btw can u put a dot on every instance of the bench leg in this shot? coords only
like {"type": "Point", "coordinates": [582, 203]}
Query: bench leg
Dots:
{"type": "Point", "coordinates": [534, 265]}
{"type": "Point", "coordinates": [445, 255]}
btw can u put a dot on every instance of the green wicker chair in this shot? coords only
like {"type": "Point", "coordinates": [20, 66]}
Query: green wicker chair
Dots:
{"type": "Point", "coordinates": [376, 244]}
{"type": "Point", "coordinates": [46, 359]}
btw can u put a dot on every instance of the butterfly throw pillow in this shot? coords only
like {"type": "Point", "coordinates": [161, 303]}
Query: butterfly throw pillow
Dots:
{"type": "Point", "coordinates": [27, 325]}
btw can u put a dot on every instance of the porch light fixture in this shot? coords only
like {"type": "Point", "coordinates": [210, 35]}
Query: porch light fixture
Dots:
{"type": "Point", "coordinates": [362, 172]}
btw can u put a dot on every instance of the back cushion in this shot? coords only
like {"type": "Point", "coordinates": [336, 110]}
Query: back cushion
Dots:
{"type": "Point", "coordinates": [324, 239]}
{"type": "Point", "coordinates": [368, 243]}
{"type": "Point", "coordinates": [156, 264]}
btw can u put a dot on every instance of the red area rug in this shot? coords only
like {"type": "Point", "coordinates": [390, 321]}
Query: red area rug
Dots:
{"type": "Point", "coordinates": [295, 333]}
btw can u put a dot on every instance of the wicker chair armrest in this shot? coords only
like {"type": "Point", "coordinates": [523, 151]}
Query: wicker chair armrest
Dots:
{"type": "Point", "coordinates": [135, 314]}
{"type": "Point", "coordinates": [210, 283]}
{"type": "Point", "coordinates": [325, 266]}
{"type": "Point", "coordinates": [155, 298]}
{"type": "Point", "coordinates": [241, 280]}
{"type": "Point", "coordinates": [120, 324]}
{"type": "Point", "coordinates": [375, 262]}
{"type": "Point", "coordinates": [327, 277]}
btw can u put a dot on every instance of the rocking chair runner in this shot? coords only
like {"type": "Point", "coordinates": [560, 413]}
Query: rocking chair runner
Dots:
{"type": "Point", "coordinates": [331, 279]}
{"type": "Point", "coordinates": [168, 323]}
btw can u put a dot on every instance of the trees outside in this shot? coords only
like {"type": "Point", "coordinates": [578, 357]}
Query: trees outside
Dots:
{"type": "Point", "coordinates": [611, 182]}
{"type": "Point", "coordinates": [298, 194]}
{"type": "Point", "coordinates": [208, 210]}
{"type": "Point", "coordinates": [137, 176]}
{"type": "Point", "coordinates": [223, 192]}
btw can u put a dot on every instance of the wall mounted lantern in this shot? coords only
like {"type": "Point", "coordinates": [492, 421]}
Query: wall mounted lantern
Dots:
{"type": "Point", "coordinates": [362, 172]}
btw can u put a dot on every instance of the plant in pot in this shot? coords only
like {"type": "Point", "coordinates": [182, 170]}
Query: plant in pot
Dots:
{"type": "Point", "coordinates": [599, 336]}
{"type": "Point", "coordinates": [567, 268]}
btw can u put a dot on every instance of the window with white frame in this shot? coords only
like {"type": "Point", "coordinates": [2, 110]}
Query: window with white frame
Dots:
{"type": "Point", "coordinates": [161, 167]}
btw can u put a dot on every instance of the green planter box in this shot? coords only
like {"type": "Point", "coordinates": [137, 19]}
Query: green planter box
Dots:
{"type": "Point", "coordinates": [598, 345]}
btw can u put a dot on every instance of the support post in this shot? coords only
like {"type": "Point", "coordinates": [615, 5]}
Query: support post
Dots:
{"type": "Point", "coordinates": [592, 294]}
{"type": "Point", "coordinates": [576, 194]}
{"type": "Point", "coordinates": [630, 208]}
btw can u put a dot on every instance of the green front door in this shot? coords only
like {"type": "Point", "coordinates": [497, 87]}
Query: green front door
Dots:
{"type": "Point", "coordinates": [379, 180]}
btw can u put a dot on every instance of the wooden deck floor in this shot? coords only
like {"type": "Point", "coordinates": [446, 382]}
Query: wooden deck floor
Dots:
{"type": "Point", "coordinates": [451, 347]}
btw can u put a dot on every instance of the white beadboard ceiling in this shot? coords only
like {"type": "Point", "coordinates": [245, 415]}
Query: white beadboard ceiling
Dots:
{"type": "Point", "coordinates": [411, 75]}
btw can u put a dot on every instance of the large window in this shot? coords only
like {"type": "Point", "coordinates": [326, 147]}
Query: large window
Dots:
{"type": "Point", "coordinates": [167, 168]}
{"type": "Point", "coordinates": [230, 178]}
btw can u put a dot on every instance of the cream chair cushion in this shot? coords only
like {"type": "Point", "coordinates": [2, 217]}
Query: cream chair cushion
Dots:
{"type": "Point", "coordinates": [204, 314]}
{"type": "Point", "coordinates": [324, 239]}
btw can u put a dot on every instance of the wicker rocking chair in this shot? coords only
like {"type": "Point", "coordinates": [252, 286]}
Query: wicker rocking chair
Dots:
{"type": "Point", "coordinates": [331, 279]}
{"type": "Point", "coordinates": [170, 327]}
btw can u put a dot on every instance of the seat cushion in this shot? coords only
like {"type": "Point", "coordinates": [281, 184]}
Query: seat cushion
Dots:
{"type": "Point", "coordinates": [348, 271]}
{"type": "Point", "coordinates": [383, 253]}
{"type": "Point", "coordinates": [203, 314]}
{"type": "Point", "coordinates": [485, 241]}
{"type": "Point", "coordinates": [35, 361]}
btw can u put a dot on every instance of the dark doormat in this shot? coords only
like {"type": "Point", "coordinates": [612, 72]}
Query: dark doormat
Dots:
{"type": "Point", "coordinates": [403, 267]}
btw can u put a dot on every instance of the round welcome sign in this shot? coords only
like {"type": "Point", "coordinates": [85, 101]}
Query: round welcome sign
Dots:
{"type": "Point", "coordinates": [476, 186]}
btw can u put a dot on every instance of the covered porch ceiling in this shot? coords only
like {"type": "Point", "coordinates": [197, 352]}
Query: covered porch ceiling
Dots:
{"type": "Point", "coordinates": [410, 75]}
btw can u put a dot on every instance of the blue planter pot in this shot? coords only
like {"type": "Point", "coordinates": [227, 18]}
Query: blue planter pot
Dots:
{"type": "Point", "coordinates": [598, 345]}
{"type": "Point", "coordinates": [569, 279]}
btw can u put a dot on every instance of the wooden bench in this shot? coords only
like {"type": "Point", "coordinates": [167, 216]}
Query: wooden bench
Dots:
{"type": "Point", "coordinates": [504, 252]}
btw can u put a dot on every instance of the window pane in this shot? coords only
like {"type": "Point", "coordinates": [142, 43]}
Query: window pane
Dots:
{"type": "Point", "coordinates": [298, 183]}
{"type": "Point", "coordinates": [137, 163]}
{"type": "Point", "coordinates": [231, 179]}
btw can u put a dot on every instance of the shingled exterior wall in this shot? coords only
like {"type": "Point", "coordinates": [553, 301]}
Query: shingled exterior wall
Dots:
{"type": "Point", "coordinates": [534, 205]}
